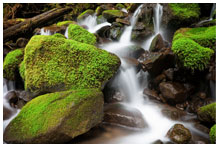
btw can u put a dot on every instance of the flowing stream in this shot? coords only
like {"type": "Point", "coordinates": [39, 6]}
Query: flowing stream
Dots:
{"type": "Point", "coordinates": [129, 83]}
{"type": "Point", "coordinates": [211, 14]}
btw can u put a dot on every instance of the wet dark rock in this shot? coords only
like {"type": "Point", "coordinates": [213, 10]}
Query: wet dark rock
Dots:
{"type": "Point", "coordinates": [139, 26]}
{"type": "Point", "coordinates": [196, 102]}
{"type": "Point", "coordinates": [23, 95]}
{"type": "Point", "coordinates": [152, 94]}
{"type": "Point", "coordinates": [202, 128]}
{"type": "Point", "coordinates": [133, 7]}
{"type": "Point", "coordinates": [179, 134]}
{"type": "Point", "coordinates": [169, 73]}
{"type": "Point", "coordinates": [20, 104]}
{"type": "Point", "coordinates": [173, 113]}
{"type": "Point", "coordinates": [139, 35]}
{"type": "Point", "coordinates": [118, 113]}
{"type": "Point", "coordinates": [173, 92]}
{"type": "Point", "coordinates": [113, 96]}
{"type": "Point", "coordinates": [182, 106]}
{"type": "Point", "coordinates": [21, 42]}
{"type": "Point", "coordinates": [123, 21]}
{"type": "Point", "coordinates": [146, 15]}
{"type": "Point", "coordinates": [158, 79]}
{"type": "Point", "coordinates": [104, 32]}
{"type": "Point", "coordinates": [115, 32]}
{"type": "Point", "coordinates": [157, 142]}
{"type": "Point", "coordinates": [7, 113]}
{"type": "Point", "coordinates": [157, 43]}
{"type": "Point", "coordinates": [155, 62]}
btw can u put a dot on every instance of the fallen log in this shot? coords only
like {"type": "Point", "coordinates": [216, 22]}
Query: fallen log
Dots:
{"type": "Point", "coordinates": [30, 24]}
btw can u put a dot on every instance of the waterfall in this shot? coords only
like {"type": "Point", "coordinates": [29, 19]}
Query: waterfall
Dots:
{"type": "Point", "coordinates": [91, 23]}
{"type": "Point", "coordinates": [126, 36]}
{"type": "Point", "coordinates": [211, 14]}
{"type": "Point", "coordinates": [8, 86]}
{"type": "Point", "coordinates": [158, 13]}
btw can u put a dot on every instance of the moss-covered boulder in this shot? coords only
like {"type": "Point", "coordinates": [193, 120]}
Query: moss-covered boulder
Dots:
{"type": "Point", "coordinates": [85, 14]}
{"type": "Point", "coordinates": [212, 134]}
{"type": "Point", "coordinates": [54, 64]}
{"type": "Point", "coordinates": [56, 117]}
{"type": "Point", "coordinates": [11, 63]}
{"type": "Point", "coordinates": [111, 15]}
{"type": "Point", "coordinates": [80, 34]}
{"type": "Point", "coordinates": [182, 14]}
{"type": "Point", "coordinates": [207, 113]}
{"type": "Point", "coordinates": [22, 70]}
{"type": "Point", "coordinates": [194, 47]}
{"type": "Point", "coordinates": [65, 23]}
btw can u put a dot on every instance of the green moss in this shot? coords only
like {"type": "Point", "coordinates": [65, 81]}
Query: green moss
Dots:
{"type": "Point", "coordinates": [54, 64]}
{"type": "Point", "coordinates": [22, 70]}
{"type": "Point", "coordinates": [185, 10]}
{"type": "Point", "coordinates": [80, 34]}
{"type": "Point", "coordinates": [209, 110]}
{"type": "Point", "coordinates": [11, 62]}
{"type": "Point", "coordinates": [59, 35]}
{"type": "Point", "coordinates": [193, 46]}
{"type": "Point", "coordinates": [45, 113]}
{"type": "Point", "coordinates": [59, 24]}
{"type": "Point", "coordinates": [99, 10]}
{"type": "Point", "coordinates": [110, 14]}
{"type": "Point", "coordinates": [212, 134]}
{"type": "Point", "coordinates": [205, 36]}
{"type": "Point", "coordinates": [85, 14]}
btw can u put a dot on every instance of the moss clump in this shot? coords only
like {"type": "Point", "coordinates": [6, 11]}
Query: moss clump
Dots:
{"type": "Point", "coordinates": [22, 70]}
{"type": "Point", "coordinates": [212, 134]}
{"type": "Point", "coordinates": [191, 54]}
{"type": "Point", "coordinates": [62, 23]}
{"type": "Point", "coordinates": [85, 14]}
{"type": "Point", "coordinates": [59, 35]}
{"type": "Point", "coordinates": [209, 111]}
{"type": "Point", "coordinates": [205, 36]}
{"type": "Point", "coordinates": [193, 46]}
{"type": "Point", "coordinates": [99, 10]}
{"type": "Point", "coordinates": [11, 62]}
{"type": "Point", "coordinates": [80, 34]}
{"type": "Point", "coordinates": [112, 14]}
{"type": "Point", "coordinates": [55, 64]}
{"type": "Point", "coordinates": [45, 118]}
{"type": "Point", "coordinates": [185, 11]}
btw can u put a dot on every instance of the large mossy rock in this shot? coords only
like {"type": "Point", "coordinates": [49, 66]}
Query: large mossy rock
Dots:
{"type": "Point", "coordinates": [111, 15]}
{"type": "Point", "coordinates": [11, 63]}
{"type": "Point", "coordinates": [55, 64]}
{"type": "Point", "coordinates": [181, 14]}
{"type": "Point", "coordinates": [56, 117]}
{"type": "Point", "coordinates": [194, 47]}
{"type": "Point", "coordinates": [77, 33]}
{"type": "Point", "coordinates": [207, 113]}
{"type": "Point", "coordinates": [212, 134]}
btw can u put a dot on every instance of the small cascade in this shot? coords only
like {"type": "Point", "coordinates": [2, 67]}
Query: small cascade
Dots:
{"type": "Point", "coordinates": [91, 23]}
{"type": "Point", "coordinates": [8, 86]}
{"type": "Point", "coordinates": [126, 36]}
{"type": "Point", "coordinates": [66, 33]}
{"type": "Point", "coordinates": [45, 32]}
{"type": "Point", "coordinates": [158, 13]}
{"type": "Point", "coordinates": [211, 14]}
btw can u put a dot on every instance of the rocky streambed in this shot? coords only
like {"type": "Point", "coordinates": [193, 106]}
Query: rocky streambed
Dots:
{"type": "Point", "coordinates": [110, 73]}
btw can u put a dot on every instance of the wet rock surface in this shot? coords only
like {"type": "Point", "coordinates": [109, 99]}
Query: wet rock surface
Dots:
{"type": "Point", "coordinates": [179, 134]}
{"type": "Point", "coordinates": [173, 92]}
{"type": "Point", "coordinates": [121, 114]}
{"type": "Point", "coordinates": [156, 44]}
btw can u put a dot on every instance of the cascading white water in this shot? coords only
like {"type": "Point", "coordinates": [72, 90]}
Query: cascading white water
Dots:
{"type": "Point", "coordinates": [126, 36]}
{"type": "Point", "coordinates": [158, 13]}
{"type": "Point", "coordinates": [8, 86]}
{"type": "Point", "coordinates": [45, 32]}
{"type": "Point", "coordinates": [211, 14]}
{"type": "Point", "coordinates": [129, 84]}
{"type": "Point", "coordinates": [91, 23]}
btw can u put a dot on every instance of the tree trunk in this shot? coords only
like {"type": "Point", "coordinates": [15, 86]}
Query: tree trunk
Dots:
{"type": "Point", "coordinates": [29, 25]}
